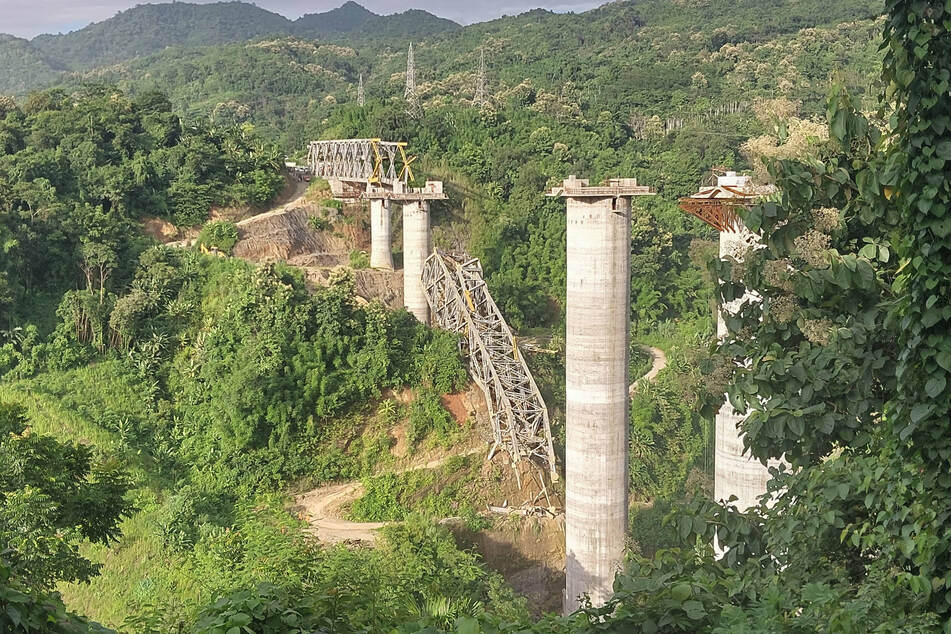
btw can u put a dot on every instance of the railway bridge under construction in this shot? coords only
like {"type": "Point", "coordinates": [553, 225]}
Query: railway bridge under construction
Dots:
{"type": "Point", "coordinates": [451, 288]}
{"type": "Point", "coordinates": [448, 288]}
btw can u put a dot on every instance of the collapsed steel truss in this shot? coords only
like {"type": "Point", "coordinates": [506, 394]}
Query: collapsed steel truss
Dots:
{"type": "Point", "coordinates": [460, 303]}
{"type": "Point", "coordinates": [362, 160]}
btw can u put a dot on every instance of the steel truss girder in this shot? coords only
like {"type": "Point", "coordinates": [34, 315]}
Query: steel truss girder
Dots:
{"type": "Point", "coordinates": [362, 160]}
{"type": "Point", "coordinates": [460, 302]}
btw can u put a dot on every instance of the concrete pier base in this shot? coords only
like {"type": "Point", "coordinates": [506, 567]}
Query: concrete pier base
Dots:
{"type": "Point", "coordinates": [735, 474]}
{"type": "Point", "coordinates": [381, 255]}
{"type": "Point", "coordinates": [416, 248]}
{"type": "Point", "coordinates": [598, 325]}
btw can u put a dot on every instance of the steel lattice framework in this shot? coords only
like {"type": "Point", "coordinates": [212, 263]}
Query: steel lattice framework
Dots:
{"type": "Point", "coordinates": [461, 303]}
{"type": "Point", "coordinates": [361, 160]}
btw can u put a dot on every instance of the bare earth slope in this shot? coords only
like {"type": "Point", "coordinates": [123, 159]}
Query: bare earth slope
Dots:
{"type": "Point", "coordinates": [286, 234]}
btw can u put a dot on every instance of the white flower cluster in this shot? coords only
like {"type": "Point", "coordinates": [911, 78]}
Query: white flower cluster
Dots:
{"type": "Point", "coordinates": [826, 219]}
{"type": "Point", "coordinates": [778, 274]}
{"type": "Point", "coordinates": [816, 330]}
{"type": "Point", "coordinates": [813, 248]}
{"type": "Point", "coordinates": [783, 308]}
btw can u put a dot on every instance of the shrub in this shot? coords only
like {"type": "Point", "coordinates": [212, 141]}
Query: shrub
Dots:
{"type": "Point", "coordinates": [221, 234]}
{"type": "Point", "coordinates": [427, 415]}
{"type": "Point", "coordinates": [319, 223]}
{"type": "Point", "coordinates": [359, 260]}
{"type": "Point", "coordinates": [440, 366]}
{"type": "Point", "coordinates": [268, 608]}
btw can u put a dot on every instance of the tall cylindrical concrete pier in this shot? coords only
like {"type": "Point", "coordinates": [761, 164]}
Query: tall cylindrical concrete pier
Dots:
{"type": "Point", "coordinates": [381, 255]}
{"type": "Point", "coordinates": [416, 248]}
{"type": "Point", "coordinates": [597, 347]}
{"type": "Point", "coordinates": [598, 324]}
{"type": "Point", "coordinates": [735, 474]}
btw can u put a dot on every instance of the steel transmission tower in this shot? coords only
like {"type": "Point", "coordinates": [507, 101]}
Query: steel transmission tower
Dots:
{"type": "Point", "coordinates": [361, 96]}
{"type": "Point", "coordinates": [412, 97]}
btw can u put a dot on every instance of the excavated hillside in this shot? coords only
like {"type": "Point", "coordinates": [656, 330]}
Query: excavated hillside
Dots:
{"type": "Point", "coordinates": [290, 234]}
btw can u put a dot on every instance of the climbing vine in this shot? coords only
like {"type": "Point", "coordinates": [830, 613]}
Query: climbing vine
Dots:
{"type": "Point", "coordinates": [918, 76]}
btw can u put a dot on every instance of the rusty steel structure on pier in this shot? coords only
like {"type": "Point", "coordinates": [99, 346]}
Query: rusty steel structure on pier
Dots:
{"type": "Point", "coordinates": [460, 302]}
{"type": "Point", "coordinates": [370, 161]}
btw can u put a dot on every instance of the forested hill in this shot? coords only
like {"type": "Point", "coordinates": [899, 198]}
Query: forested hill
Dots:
{"type": "Point", "coordinates": [22, 65]}
{"type": "Point", "coordinates": [632, 59]}
{"type": "Point", "coordinates": [151, 28]}
{"type": "Point", "coordinates": [624, 39]}
{"type": "Point", "coordinates": [353, 19]}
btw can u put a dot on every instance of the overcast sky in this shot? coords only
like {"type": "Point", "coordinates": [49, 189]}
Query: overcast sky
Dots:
{"type": "Point", "coordinates": [26, 18]}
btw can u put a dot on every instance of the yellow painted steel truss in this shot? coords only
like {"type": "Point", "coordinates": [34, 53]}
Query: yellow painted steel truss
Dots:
{"type": "Point", "coordinates": [372, 161]}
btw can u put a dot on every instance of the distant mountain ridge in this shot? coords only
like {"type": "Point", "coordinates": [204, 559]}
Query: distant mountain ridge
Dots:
{"type": "Point", "coordinates": [344, 19]}
{"type": "Point", "coordinates": [22, 65]}
{"type": "Point", "coordinates": [200, 54]}
{"type": "Point", "coordinates": [151, 28]}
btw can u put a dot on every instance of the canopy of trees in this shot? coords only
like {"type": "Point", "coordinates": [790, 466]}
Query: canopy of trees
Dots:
{"type": "Point", "coordinates": [77, 172]}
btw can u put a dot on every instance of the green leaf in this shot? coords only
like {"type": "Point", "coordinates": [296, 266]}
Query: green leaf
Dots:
{"type": "Point", "coordinates": [467, 625]}
{"type": "Point", "coordinates": [240, 619]}
{"type": "Point", "coordinates": [920, 412]}
{"type": "Point", "coordinates": [797, 426]}
{"type": "Point", "coordinates": [935, 385]}
{"type": "Point", "coordinates": [944, 359]}
{"type": "Point", "coordinates": [943, 150]}
{"type": "Point", "coordinates": [839, 124]}
{"type": "Point", "coordinates": [681, 592]}
{"type": "Point", "coordinates": [684, 525]}
{"type": "Point", "coordinates": [695, 610]}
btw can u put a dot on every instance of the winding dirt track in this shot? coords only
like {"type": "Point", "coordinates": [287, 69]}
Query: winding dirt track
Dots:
{"type": "Point", "coordinates": [660, 362]}
{"type": "Point", "coordinates": [292, 199]}
{"type": "Point", "coordinates": [322, 507]}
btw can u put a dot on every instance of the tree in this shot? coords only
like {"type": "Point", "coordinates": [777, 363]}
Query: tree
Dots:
{"type": "Point", "coordinates": [52, 496]}
{"type": "Point", "coordinates": [98, 262]}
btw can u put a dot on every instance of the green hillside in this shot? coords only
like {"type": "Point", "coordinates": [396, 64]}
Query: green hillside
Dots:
{"type": "Point", "coordinates": [149, 28]}
{"type": "Point", "coordinates": [632, 59]}
{"type": "Point", "coordinates": [23, 66]}
{"type": "Point", "coordinates": [344, 19]}
{"type": "Point", "coordinates": [353, 19]}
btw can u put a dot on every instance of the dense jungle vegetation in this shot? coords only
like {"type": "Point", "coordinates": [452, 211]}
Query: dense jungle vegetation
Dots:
{"type": "Point", "coordinates": [157, 404]}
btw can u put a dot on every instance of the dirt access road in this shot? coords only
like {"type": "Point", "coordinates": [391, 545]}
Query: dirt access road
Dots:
{"type": "Point", "coordinates": [659, 363]}
{"type": "Point", "coordinates": [323, 507]}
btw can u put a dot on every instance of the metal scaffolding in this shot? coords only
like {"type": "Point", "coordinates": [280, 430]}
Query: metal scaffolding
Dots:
{"type": "Point", "coordinates": [461, 303]}
{"type": "Point", "coordinates": [361, 160]}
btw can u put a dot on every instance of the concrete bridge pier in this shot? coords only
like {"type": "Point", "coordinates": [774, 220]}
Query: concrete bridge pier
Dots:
{"type": "Point", "coordinates": [381, 255]}
{"type": "Point", "coordinates": [417, 245]}
{"type": "Point", "coordinates": [417, 240]}
{"type": "Point", "coordinates": [597, 347]}
{"type": "Point", "coordinates": [735, 473]}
